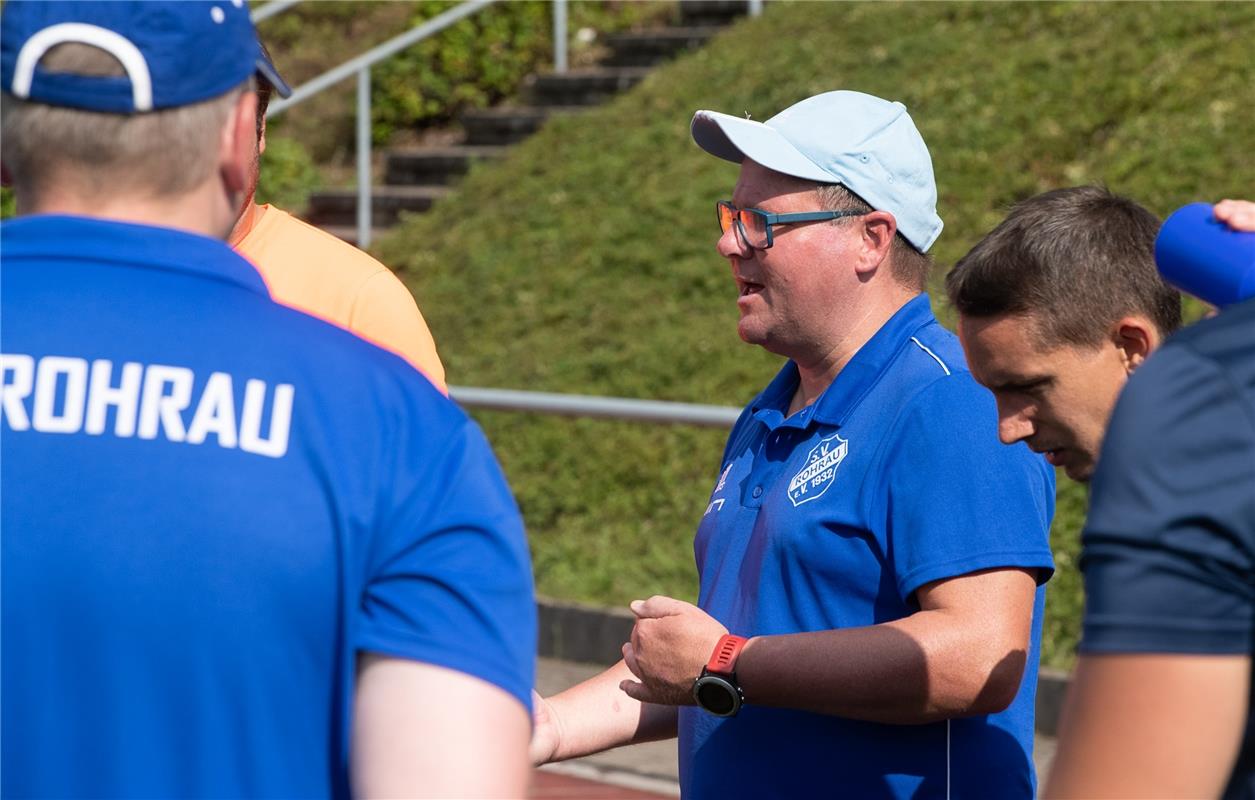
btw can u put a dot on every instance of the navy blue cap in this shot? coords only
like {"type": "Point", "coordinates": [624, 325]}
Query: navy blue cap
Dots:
{"type": "Point", "coordinates": [174, 53]}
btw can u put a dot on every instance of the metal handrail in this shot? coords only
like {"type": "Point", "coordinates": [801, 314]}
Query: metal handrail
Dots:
{"type": "Point", "coordinates": [581, 405]}
{"type": "Point", "coordinates": [271, 9]}
{"type": "Point", "coordinates": [361, 67]}
{"type": "Point", "coordinates": [559, 36]}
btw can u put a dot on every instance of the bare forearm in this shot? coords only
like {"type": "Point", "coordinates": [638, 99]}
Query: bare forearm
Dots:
{"type": "Point", "coordinates": [963, 653]}
{"type": "Point", "coordinates": [915, 670]}
{"type": "Point", "coordinates": [1151, 725]}
{"type": "Point", "coordinates": [596, 715]}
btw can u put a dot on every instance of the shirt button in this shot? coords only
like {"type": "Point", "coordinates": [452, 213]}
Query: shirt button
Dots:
{"type": "Point", "coordinates": [758, 491]}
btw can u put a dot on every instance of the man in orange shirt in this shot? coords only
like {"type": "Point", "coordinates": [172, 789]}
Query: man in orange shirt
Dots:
{"type": "Point", "coordinates": [313, 271]}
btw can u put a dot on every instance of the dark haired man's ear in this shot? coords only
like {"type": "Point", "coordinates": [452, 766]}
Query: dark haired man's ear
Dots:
{"type": "Point", "coordinates": [1136, 338]}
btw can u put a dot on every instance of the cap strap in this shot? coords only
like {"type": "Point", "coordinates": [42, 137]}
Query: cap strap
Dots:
{"type": "Point", "coordinates": [116, 45]}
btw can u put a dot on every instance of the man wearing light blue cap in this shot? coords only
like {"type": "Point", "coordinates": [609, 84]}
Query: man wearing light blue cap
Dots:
{"type": "Point", "coordinates": [871, 558]}
{"type": "Point", "coordinates": [244, 553]}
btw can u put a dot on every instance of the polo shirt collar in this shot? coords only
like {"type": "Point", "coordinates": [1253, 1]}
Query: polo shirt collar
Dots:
{"type": "Point", "coordinates": [835, 404]}
{"type": "Point", "coordinates": [111, 242]}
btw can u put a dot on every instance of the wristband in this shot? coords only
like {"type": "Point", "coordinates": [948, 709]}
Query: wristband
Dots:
{"type": "Point", "coordinates": [716, 689]}
{"type": "Point", "coordinates": [727, 649]}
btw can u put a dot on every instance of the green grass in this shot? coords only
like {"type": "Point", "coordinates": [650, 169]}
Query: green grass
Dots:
{"type": "Point", "coordinates": [585, 262]}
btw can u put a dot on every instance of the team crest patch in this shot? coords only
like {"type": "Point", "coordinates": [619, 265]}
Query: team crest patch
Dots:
{"type": "Point", "coordinates": [820, 471]}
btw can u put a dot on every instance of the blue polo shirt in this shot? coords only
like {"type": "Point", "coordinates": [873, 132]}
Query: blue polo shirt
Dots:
{"type": "Point", "coordinates": [1169, 546]}
{"type": "Point", "coordinates": [211, 504]}
{"type": "Point", "coordinates": [833, 518]}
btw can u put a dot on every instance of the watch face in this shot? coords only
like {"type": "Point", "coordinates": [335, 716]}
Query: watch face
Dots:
{"type": "Point", "coordinates": [717, 696]}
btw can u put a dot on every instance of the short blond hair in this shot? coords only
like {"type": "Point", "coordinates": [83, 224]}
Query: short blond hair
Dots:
{"type": "Point", "coordinates": [161, 153]}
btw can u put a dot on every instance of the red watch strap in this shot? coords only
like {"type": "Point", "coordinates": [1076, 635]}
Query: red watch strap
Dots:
{"type": "Point", "coordinates": [726, 650]}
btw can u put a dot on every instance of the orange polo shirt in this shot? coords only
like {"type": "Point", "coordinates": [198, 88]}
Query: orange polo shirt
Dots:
{"type": "Point", "coordinates": [313, 271]}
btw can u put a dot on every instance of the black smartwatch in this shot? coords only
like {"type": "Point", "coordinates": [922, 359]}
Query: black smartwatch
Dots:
{"type": "Point", "coordinates": [716, 690]}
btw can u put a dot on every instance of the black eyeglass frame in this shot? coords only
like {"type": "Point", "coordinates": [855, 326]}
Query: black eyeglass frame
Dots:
{"type": "Point", "coordinates": [770, 220]}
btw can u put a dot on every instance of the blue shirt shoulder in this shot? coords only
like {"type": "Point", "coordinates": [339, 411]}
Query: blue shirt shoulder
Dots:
{"type": "Point", "coordinates": [218, 502]}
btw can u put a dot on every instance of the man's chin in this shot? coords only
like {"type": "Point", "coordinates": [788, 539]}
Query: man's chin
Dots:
{"type": "Point", "coordinates": [750, 333]}
{"type": "Point", "coordinates": [1081, 473]}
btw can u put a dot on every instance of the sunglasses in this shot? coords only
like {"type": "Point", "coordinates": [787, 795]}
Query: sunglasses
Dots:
{"type": "Point", "coordinates": [754, 225]}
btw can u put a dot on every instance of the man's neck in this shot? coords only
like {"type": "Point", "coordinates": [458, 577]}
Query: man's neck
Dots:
{"type": "Point", "coordinates": [818, 368]}
{"type": "Point", "coordinates": [244, 225]}
{"type": "Point", "coordinates": [199, 211]}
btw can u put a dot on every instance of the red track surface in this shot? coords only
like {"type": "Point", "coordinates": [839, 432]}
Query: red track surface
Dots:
{"type": "Point", "coordinates": [555, 786]}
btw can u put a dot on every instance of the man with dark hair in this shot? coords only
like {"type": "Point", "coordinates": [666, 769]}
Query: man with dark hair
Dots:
{"type": "Point", "coordinates": [265, 90]}
{"type": "Point", "coordinates": [244, 553]}
{"type": "Point", "coordinates": [1057, 306]}
{"type": "Point", "coordinates": [1160, 703]}
{"type": "Point", "coordinates": [314, 271]}
{"type": "Point", "coordinates": [871, 559]}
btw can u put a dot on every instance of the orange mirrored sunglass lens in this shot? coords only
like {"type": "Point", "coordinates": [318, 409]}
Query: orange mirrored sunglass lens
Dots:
{"type": "Point", "coordinates": [752, 227]}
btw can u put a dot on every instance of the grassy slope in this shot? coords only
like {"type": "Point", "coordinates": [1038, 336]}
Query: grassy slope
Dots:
{"type": "Point", "coordinates": [585, 262]}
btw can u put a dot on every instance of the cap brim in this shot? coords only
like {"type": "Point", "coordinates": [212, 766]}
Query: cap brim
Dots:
{"type": "Point", "coordinates": [735, 139]}
{"type": "Point", "coordinates": [267, 70]}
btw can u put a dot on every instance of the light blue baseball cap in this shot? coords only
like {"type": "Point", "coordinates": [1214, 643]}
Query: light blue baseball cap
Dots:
{"type": "Point", "coordinates": [864, 143]}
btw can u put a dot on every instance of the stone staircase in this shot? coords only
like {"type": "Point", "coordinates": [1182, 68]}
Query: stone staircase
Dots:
{"type": "Point", "coordinates": [414, 178]}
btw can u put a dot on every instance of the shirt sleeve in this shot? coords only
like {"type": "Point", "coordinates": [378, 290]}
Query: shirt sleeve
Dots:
{"type": "Point", "coordinates": [1167, 549]}
{"type": "Point", "coordinates": [385, 313]}
{"type": "Point", "coordinates": [959, 500]}
{"type": "Point", "coordinates": [450, 579]}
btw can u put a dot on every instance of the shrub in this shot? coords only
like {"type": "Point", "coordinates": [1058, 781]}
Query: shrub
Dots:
{"type": "Point", "coordinates": [288, 174]}
{"type": "Point", "coordinates": [472, 64]}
